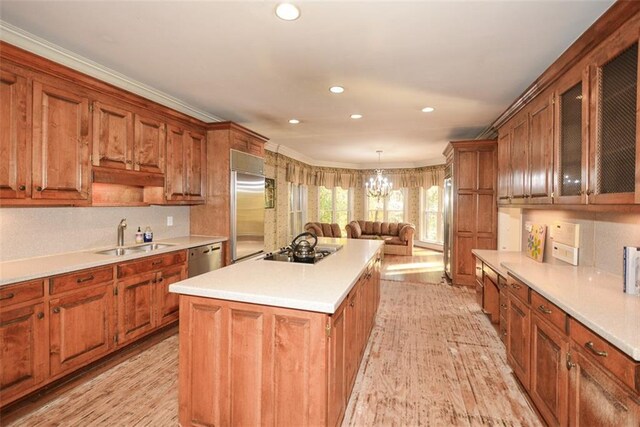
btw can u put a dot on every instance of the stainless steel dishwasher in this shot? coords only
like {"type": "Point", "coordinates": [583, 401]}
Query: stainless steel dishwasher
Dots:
{"type": "Point", "coordinates": [203, 259]}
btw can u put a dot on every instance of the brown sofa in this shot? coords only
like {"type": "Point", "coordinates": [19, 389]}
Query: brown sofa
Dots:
{"type": "Point", "coordinates": [397, 236]}
{"type": "Point", "coordinates": [323, 229]}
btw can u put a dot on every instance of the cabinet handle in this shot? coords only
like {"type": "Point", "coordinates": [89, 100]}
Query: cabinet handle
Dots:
{"type": "Point", "coordinates": [40, 315]}
{"type": "Point", "coordinates": [38, 188]}
{"type": "Point", "coordinates": [544, 309]}
{"type": "Point", "coordinates": [85, 279]}
{"type": "Point", "coordinates": [503, 306]}
{"type": "Point", "coordinates": [128, 162]}
{"type": "Point", "coordinates": [589, 192]}
{"type": "Point", "coordinates": [7, 296]}
{"type": "Point", "coordinates": [351, 304]}
{"type": "Point", "coordinates": [158, 262]}
{"type": "Point", "coordinates": [515, 286]}
{"type": "Point", "coordinates": [160, 279]}
{"type": "Point", "coordinates": [504, 333]}
{"type": "Point", "coordinates": [570, 364]}
{"type": "Point", "coordinates": [590, 346]}
{"type": "Point", "coordinates": [56, 310]}
{"type": "Point", "coordinates": [22, 187]}
{"type": "Point", "coordinates": [138, 163]}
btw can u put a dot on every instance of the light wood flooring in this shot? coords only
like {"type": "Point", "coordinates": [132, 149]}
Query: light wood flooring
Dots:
{"type": "Point", "coordinates": [433, 359]}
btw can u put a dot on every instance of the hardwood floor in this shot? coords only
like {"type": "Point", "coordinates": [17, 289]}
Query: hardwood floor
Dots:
{"type": "Point", "coordinates": [433, 359]}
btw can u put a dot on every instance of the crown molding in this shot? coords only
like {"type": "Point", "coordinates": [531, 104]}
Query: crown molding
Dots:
{"type": "Point", "coordinates": [39, 46]}
{"type": "Point", "coordinates": [296, 155]}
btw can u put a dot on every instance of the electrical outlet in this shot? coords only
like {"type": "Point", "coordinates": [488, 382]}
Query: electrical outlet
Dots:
{"type": "Point", "coordinates": [169, 221]}
{"type": "Point", "coordinates": [565, 253]}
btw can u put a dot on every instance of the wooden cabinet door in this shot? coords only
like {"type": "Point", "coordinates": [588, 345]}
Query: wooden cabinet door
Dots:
{"type": "Point", "coordinates": [519, 159]}
{"type": "Point", "coordinates": [351, 338]}
{"type": "Point", "coordinates": [595, 399]}
{"type": "Point", "coordinates": [519, 339]}
{"type": "Point", "coordinates": [540, 150]}
{"type": "Point", "coordinates": [61, 129]}
{"type": "Point", "coordinates": [337, 397]}
{"type": "Point", "coordinates": [136, 306]}
{"type": "Point", "coordinates": [23, 350]}
{"type": "Point", "coordinates": [150, 135]}
{"type": "Point", "coordinates": [168, 303]}
{"type": "Point", "coordinates": [196, 164]}
{"type": "Point", "coordinates": [504, 168]}
{"type": "Point", "coordinates": [549, 375]}
{"type": "Point", "coordinates": [112, 136]}
{"type": "Point", "coordinates": [176, 158]}
{"type": "Point", "coordinates": [15, 161]}
{"type": "Point", "coordinates": [81, 328]}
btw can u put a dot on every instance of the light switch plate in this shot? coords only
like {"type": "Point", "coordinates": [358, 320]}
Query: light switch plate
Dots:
{"type": "Point", "coordinates": [169, 221]}
{"type": "Point", "coordinates": [566, 233]}
{"type": "Point", "coordinates": [565, 253]}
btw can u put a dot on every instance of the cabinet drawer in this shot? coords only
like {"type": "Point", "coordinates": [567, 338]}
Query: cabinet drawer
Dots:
{"type": "Point", "coordinates": [21, 292]}
{"type": "Point", "coordinates": [151, 263]}
{"type": "Point", "coordinates": [80, 279]}
{"type": "Point", "coordinates": [519, 289]}
{"type": "Point", "coordinates": [478, 270]}
{"type": "Point", "coordinates": [606, 355]}
{"type": "Point", "coordinates": [549, 311]}
{"type": "Point", "coordinates": [502, 284]}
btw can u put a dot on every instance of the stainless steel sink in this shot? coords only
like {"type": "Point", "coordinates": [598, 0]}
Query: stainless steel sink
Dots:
{"type": "Point", "coordinates": [149, 247]}
{"type": "Point", "coordinates": [152, 247]}
{"type": "Point", "coordinates": [120, 251]}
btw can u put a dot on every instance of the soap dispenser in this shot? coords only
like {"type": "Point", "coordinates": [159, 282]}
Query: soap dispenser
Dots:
{"type": "Point", "coordinates": [148, 234]}
{"type": "Point", "coordinates": [139, 236]}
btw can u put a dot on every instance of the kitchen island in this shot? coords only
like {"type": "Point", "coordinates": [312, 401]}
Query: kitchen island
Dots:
{"type": "Point", "coordinates": [274, 343]}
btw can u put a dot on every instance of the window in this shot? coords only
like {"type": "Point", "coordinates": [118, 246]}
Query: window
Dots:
{"type": "Point", "coordinates": [297, 209]}
{"type": "Point", "coordinates": [334, 205]}
{"type": "Point", "coordinates": [389, 209]}
{"type": "Point", "coordinates": [432, 217]}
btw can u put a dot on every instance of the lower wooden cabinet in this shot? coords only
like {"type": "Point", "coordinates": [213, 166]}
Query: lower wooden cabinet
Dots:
{"type": "Point", "coordinates": [549, 375]}
{"type": "Point", "coordinates": [47, 332]}
{"type": "Point", "coordinates": [596, 399]}
{"type": "Point", "coordinates": [519, 338]}
{"type": "Point", "coordinates": [23, 349]}
{"type": "Point", "coordinates": [80, 327]}
{"type": "Point", "coordinates": [250, 364]}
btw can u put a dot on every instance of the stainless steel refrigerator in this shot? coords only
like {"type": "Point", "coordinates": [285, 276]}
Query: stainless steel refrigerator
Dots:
{"type": "Point", "coordinates": [247, 205]}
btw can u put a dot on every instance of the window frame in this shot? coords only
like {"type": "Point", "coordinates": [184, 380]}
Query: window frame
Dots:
{"type": "Point", "coordinates": [424, 215]}
{"type": "Point", "coordinates": [385, 205]}
{"type": "Point", "coordinates": [350, 197]}
{"type": "Point", "coordinates": [303, 194]}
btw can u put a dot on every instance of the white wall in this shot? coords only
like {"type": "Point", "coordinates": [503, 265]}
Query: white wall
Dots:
{"type": "Point", "coordinates": [509, 225]}
{"type": "Point", "coordinates": [602, 235]}
{"type": "Point", "coordinates": [31, 232]}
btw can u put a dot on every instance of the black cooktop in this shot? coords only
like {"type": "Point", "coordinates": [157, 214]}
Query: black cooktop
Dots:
{"type": "Point", "coordinates": [286, 255]}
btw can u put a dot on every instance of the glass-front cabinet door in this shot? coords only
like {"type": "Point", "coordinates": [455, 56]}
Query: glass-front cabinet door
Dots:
{"type": "Point", "coordinates": [571, 139]}
{"type": "Point", "coordinates": [614, 166]}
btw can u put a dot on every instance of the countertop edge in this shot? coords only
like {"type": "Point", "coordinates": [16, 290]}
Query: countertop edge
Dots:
{"type": "Point", "coordinates": [108, 259]}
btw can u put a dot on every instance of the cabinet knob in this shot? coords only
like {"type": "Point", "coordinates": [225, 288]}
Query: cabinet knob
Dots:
{"type": "Point", "coordinates": [138, 163]}
{"type": "Point", "coordinates": [161, 279]}
{"type": "Point", "coordinates": [570, 364]}
{"type": "Point", "coordinates": [38, 188]}
{"type": "Point", "coordinates": [56, 310]}
{"type": "Point", "coordinates": [128, 162]}
{"type": "Point", "coordinates": [589, 192]}
{"type": "Point", "coordinates": [22, 187]}
{"type": "Point", "coordinates": [40, 315]}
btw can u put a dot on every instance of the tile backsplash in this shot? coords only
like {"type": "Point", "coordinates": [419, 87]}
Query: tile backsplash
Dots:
{"type": "Point", "coordinates": [31, 232]}
{"type": "Point", "coordinates": [602, 235]}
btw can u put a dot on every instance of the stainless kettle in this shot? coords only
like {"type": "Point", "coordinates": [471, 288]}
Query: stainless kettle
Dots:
{"type": "Point", "coordinates": [303, 250]}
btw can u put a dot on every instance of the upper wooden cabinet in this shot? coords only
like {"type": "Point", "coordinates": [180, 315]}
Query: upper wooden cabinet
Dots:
{"type": "Point", "coordinates": [112, 136]}
{"type": "Point", "coordinates": [61, 132]}
{"type": "Point", "coordinates": [576, 140]}
{"type": "Point", "coordinates": [15, 169]}
{"type": "Point", "coordinates": [150, 143]}
{"type": "Point", "coordinates": [186, 165]}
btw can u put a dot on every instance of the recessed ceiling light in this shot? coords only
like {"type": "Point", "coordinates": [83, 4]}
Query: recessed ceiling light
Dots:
{"type": "Point", "coordinates": [294, 121]}
{"type": "Point", "coordinates": [287, 11]}
{"type": "Point", "coordinates": [356, 116]}
{"type": "Point", "coordinates": [336, 89]}
{"type": "Point", "coordinates": [428, 109]}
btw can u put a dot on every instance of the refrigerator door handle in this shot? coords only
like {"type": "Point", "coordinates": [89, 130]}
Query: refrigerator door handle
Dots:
{"type": "Point", "coordinates": [233, 180]}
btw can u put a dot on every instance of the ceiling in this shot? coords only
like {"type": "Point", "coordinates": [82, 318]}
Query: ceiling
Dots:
{"type": "Point", "coordinates": [237, 61]}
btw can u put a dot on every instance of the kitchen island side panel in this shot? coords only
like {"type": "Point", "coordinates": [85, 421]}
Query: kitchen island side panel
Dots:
{"type": "Point", "coordinates": [248, 364]}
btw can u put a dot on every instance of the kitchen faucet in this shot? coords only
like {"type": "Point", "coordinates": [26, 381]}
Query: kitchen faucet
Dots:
{"type": "Point", "coordinates": [121, 227]}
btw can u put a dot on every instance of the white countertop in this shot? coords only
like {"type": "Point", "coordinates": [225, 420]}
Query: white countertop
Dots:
{"type": "Point", "coordinates": [50, 265]}
{"type": "Point", "coordinates": [592, 297]}
{"type": "Point", "coordinates": [317, 287]}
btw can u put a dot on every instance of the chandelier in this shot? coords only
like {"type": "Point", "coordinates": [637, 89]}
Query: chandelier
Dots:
{"type": "Point", "coordinates": [378, 186]}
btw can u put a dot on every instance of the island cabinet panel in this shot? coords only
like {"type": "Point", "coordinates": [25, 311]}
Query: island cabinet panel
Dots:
{"type": "Point", "coordinates": [23, 349]}
{"type": "Point", "coordinates": [338, 392]}
{"type": "Point", "coordinates": [81, 327]}
{"type": "Point", "coordinates": [245, 364]}
{"type": "Point", "coordinates": [61, 132]}
{"type": "Point", "coordinates": [15, 165]}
